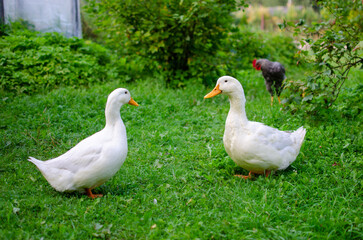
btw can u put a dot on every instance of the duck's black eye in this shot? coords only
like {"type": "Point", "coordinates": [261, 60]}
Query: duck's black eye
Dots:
{"type": "Point", "coordinates": [125, 92]}
{"type": "Point", "coordinates": [225, 80]}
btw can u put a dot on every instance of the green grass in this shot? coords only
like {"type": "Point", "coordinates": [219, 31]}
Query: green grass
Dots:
{"type": "Point", "coordinates": [176, 156]}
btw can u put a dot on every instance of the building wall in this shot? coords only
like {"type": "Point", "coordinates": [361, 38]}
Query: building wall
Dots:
{"type": "Point", "coordinates": [61, 16]}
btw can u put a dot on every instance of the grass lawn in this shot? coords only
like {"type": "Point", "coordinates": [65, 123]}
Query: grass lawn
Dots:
{"type": "Point", "coordinates": [177, 182]}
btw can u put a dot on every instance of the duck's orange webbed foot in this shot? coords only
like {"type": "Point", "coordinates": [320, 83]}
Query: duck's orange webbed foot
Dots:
{"type": "Point", "coordinates": [267, 173]}
{"type": "Point", "coordinates": [91, 195]}
{"type": "Point", "coordinates": [243, 176]}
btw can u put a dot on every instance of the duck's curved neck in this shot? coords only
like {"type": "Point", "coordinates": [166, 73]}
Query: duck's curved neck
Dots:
{"type": "Point", "coordinates": [237, 108]}
{"type": "Point", "coordinates": [112, 114]}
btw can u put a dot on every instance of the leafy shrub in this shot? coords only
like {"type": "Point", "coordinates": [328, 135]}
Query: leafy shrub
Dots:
{"type": "Point", "coordinates": [178, 39]}
{"type": "Point", "coordinates": [335, 48]}
{"type": "Point", "coordinates": [349, 105]}
{"type": "Point", "coordinates": [31, 62]}
{"type": "Point", "coordinates": [19, 25]}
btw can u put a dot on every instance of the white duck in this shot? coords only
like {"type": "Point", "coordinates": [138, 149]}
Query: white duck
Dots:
{"type": "Point", "coordinates": [95, 159]}
{"type": "Point", "coordinates": [252, 145]}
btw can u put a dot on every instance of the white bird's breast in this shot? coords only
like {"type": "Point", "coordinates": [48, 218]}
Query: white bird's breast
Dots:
{"type": "Point", "coordinates": [114, 151]}
{"type": "Point", "coordinates": [233, 139]}
{"type": "Point", "coordinates": [113, 154]}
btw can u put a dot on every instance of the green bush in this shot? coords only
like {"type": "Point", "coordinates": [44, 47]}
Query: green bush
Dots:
{"type": "Point", "coordinates": [31, 62]}
{"type": "Point", "coordinates": [335, 49]}
{"type": "Point", "coordinates": [178, 39]}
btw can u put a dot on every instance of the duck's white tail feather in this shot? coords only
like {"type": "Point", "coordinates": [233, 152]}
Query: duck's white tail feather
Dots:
{"type": "Point", "coordinates": [299, 135]}
{"type": "Point", "coordinates": [60, 179]}
{"type": "Point", "coordinates": [298, 138]}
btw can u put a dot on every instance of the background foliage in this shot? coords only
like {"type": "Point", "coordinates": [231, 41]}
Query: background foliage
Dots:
{"type": "Point", "coordinates": [32, 62]}
{"type": "Point", "coordinates": [177, 38]}
{"type": "Point", "coordinates": [245, 44]}
{"type": "Point", "coordinates": [266, 17]}
{"type": "Point", "coordinates": [334, 49]}
{"type": "Point", "coordinates": [192, 42]}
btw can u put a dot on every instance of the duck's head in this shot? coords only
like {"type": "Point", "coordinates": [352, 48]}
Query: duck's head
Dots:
{"type": "Point", "coordinates": [226, 85]}
{"type": "Point", "coordinates": [119, 97]}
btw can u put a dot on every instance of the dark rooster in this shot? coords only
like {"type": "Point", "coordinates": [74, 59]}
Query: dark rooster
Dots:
{"type": "Point", "coordinates": [274, 75]}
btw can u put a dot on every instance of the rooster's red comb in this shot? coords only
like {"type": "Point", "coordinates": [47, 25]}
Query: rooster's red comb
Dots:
{"type": "Point", "coordinates": [254, 63]}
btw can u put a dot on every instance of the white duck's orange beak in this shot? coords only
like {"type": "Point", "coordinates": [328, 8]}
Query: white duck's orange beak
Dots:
{"type": "Point", "coordinates": [214, 92]}
{"type": "Point", "coordinates": [132, 102]}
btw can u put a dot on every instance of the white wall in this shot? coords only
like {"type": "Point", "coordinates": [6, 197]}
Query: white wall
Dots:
{"type": "Point", "coordinates": [61, 16]}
